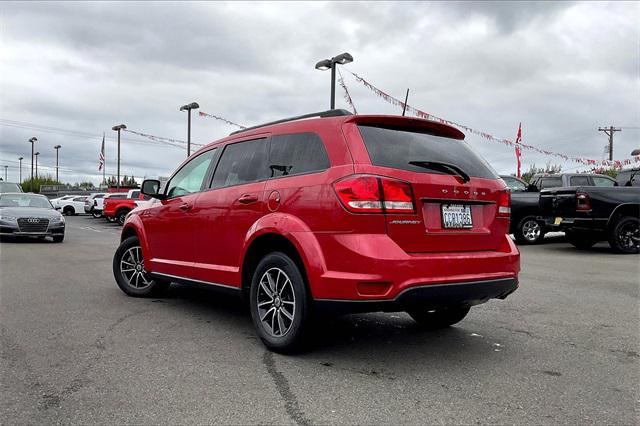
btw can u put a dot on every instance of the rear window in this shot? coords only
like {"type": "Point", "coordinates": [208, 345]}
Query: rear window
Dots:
{"type": "Point", "coordinates": [395, 148]}
{"type": "Point", "coordinates": [297, 154]}
{"type": "Point", "coordinates": [580, 181]}
{"type": "Point", "coordinates": [550, 182]}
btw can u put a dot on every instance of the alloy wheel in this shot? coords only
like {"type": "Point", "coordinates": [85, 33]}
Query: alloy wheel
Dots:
{"type": "Point", "coordinates": [276, 302]}
{"type": "Point", "coordinates": [531, 230]}
{"type": "Point", "coordinates": [132, 269]}
{"type": "Point", "coordinates": [629, 236]}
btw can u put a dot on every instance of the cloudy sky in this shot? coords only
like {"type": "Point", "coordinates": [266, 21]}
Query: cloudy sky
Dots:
{"type": "Point", "coordinates": [71, 71]}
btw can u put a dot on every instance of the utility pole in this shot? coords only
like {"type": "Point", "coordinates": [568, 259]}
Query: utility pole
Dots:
{"type": "Point", "coordinates": [57, 147]}
{"type": "Point", "coordinates": [609, 131]}
{"type": "Point", "coordinates": [5, 173]}
{"type": "Point", "coordinates": [21, 158]}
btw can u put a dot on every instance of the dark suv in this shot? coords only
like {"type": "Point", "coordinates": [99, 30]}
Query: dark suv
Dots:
{"type": "Point", "coordinates": [328, 212]}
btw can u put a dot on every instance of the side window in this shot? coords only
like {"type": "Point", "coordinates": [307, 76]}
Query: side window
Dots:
{"type": "Point", "coordinates": [135, 194]}
{"type": "Point", "coordinates": [515, 184]}
{"type": "Point", "coordinates": [296, 154]}
{"type": "Point", "coordinates": [242, 162]}
{"type": "Point", "coordinates": [190, 177]}
{"type": "Point", "coordinates": [601, 181]}
{"type": "Point", "coordinates": [550, 182]}
{"type": "Point", "coordinates": [579, 181]}
{"type": "Point", "coordinates": [79, 198]}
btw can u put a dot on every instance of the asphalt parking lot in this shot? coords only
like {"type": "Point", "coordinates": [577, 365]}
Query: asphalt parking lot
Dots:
{"type": "Point", "coordinates": [563, 349]}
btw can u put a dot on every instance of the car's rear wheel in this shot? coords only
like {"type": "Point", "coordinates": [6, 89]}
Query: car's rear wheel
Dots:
{"type": "Point", "coordinates": [58, 238]}
{"type": "Point", "coordinates": [438, 318]}
{"type": "Point", "coordinates": [121, 216]}
{"type": "Point", "coordinates": [580, 239]}
{"type": "Point", "coordinates": [129, 271]}
{"type": "Point", "coordinates": [279, 303]}
{"type": "Point", "coordinates": [529, 231]}
{"type": "Point", "coordinates": [625, 235]}
{"type": "Point", "coordinates": [96, 213]}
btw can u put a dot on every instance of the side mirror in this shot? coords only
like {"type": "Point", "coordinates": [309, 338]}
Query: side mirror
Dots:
{"type": "Point", "coordinates": [151, 187]}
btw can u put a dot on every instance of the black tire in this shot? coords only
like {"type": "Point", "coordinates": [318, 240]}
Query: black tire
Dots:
{"type": "Point", "coordinates": [529, 231]}
{"type": "Point", "coordinates": [624, 236]}
{"type": "Point", "coordinates": [146, 287]}
{"type": "Point", "coordinates": [580, 239]}
{"type": "Point", "coordinates": [120, 217]}
{"type": "Point", "coordinates": [69, 211]}
{"type": "Point", "coordinates": [110, 219]}
{"type": "Point", "coordinates": [440, 318]}
{"type": "Point", "coordinates": [96, 213]}
{"type": "Point", "coordinates": [58, 238]}
{"type": "Point", "coordinates": [291, 338]}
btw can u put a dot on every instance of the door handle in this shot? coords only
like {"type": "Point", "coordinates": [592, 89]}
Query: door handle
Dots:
{"type": "Point", "coordinates": [185, 207]}
{"type": "Point", "coordinates": [248, 199]}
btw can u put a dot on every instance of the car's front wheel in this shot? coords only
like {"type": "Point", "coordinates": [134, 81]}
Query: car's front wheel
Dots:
{"type": "Point", "coordinates": [279, 303]}
{"type": "Point", "coordinates": [438, 318]}
{"type": "Point", "coordinates": [130, 273]}
{"type": "Point", "coordinates": [529, 231]}
{"type": "Point", "coordinates": [121, 217]}
{"type": "Point", "coordinates": [69, 211]}
{"type": "Point", "coordinates": [96, 213]}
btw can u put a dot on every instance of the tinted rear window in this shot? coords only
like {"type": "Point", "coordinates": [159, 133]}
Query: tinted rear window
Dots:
{"type": "Point", "coordinates": [580, 181]}
{"type": "Point", "coordinates": [395, 148]}
{"type": "Point", "coordinates": [550, 182]}
{"type": "Point", "coordinates": [296, 154]}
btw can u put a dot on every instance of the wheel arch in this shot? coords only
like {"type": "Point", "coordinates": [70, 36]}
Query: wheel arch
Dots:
{"type": "Point", "coordinates": [134, 228]}
{"type": "Point", "coordinates": [626, 209]}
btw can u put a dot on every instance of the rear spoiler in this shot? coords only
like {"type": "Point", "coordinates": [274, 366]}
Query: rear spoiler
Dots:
{"type": "Point", "coordinates": [410, 123]}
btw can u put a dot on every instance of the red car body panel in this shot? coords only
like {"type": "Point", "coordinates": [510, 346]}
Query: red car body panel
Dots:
{"type": "Point", "coordinates": [346, 256]}
{"type": "Point", "coordinates": [114, 205]}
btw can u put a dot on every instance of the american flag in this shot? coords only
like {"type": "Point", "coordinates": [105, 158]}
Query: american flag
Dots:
{"type": "Point", "coordinates": [101, 157]}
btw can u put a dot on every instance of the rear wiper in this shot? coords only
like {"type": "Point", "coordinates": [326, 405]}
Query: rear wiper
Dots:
{"type": "Point", "coordinates": [448, 168]}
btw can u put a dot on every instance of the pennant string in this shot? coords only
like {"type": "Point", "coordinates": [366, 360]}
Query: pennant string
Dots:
{"type": "Point", "coordinates": [205, 114]}
{"type": "Point", "coordinates": [347, 96]}
{"type": "Point", "coordinates": [427, 116]}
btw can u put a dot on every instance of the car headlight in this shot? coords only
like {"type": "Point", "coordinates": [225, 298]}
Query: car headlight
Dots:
{"type": "Point", "coordinates": [8, 218]}
{"type": "Point", "coordinates": [58, 219]}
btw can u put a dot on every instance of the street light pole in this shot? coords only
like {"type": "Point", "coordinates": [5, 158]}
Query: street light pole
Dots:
{"type": "Point", "coordinates": [5, 173]}
{"type": "Point", "coordinates": [326, 64]}
{"type": "Point", "coordinates": [36, 155]}
{"type": "Point", "coordinates": [188, 108]}
{"type": "Point", "coordinates": [117, 129]}
{"type": "Point", "coordinates": [33, 140]}
{"type": "Point", "coordinates": [20, 159]}
{"type": "Point", "coordinates": [57, 147]}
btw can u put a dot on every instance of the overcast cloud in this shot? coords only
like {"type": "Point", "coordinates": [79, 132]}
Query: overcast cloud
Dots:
{"type": "Point", "coordinates": [562, 69]}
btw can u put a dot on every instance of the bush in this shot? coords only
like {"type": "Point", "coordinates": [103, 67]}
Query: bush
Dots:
{"type": "Point", "coordinates": [29, 185]}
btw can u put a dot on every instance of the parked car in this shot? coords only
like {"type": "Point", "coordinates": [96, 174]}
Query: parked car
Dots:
{"type": "Point", "coordinates": [629, 177]}
{"type": "Point", "coordinates": [543, 181]}
{"type": "Point", "coordinates": [55, 202]}
{"type": "Point", "coordinates": [116, 209]}
{"type": "Point", "coordinates": [525, 202]}
{"type": "Point", "coordinates": [72, 206]}
{"type": "Point", "coordinates": [592, 214]}
{"type": "Point", "coordinates": [90, 202]}
{"type": "Point", "coordinates": [30, 215]}
{"type": "Point", "coordinates": [9, 187]}
{"type": "Point", "coordinates": [328, 212]}
{"type": "Point", "coordinates": [98, 206]}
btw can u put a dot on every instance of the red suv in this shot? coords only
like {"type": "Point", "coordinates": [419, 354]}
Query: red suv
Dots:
{"type": "Point", "coordinates": [328, 212]}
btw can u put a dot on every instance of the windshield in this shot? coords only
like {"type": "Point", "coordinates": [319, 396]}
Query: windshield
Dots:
{"type": "Point", "coordinates": [25, 200]}
{"type": "Point", "coordinates": [407, 149]}
{"type": "Point", "coordinates": [9, 187]}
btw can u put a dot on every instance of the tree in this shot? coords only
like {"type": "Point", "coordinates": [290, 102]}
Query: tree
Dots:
{"type": "Point", "coordinates": [550, 169]}
{"type": "Point", "coordinates": [29, 185]}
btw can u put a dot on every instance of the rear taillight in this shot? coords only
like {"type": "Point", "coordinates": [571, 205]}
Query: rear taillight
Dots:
{"type": "Point", "coordinates": [504, 203]}
{"type": "Point", "coordinates": [583, 202]}
{"type": "Point", "coordinates": [375, 194]}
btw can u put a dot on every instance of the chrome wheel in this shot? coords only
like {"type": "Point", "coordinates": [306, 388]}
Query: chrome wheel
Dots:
{"type": "Point", "coordinates": [531, 230]}
{"type": "Point", "coordinates": [276, 302]}
{"type": "Point", "coordinates": [132, 269]}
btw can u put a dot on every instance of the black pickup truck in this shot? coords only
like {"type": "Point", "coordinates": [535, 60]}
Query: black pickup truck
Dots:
{"type": "Point", "coordinates": [592, 214]}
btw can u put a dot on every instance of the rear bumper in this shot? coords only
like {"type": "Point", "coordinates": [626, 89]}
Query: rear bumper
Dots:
{"type": "Point", "coordinates": [431, 296]}
{"type": "Point", "coordinates": [374, 268]}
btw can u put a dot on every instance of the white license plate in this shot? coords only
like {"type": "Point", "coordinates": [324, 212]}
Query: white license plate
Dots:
{"type": "Point", "coordinates": [456, 216]}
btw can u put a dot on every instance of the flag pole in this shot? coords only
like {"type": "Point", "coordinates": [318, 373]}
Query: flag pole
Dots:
{"type": "Point", "coordinates": [104, 167]}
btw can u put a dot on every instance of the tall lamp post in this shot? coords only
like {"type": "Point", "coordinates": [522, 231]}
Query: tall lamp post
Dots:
{"type": "Point", "coordinates": [36, 155]}
{"type": "Point", "coordinates": [57, 147]}
{"type": "Point", "coordinates": [33, 140]}
{"type": "Point", "coordinates": [5, 173]}
{"type": "Point", "coordinates": [188, 108]}
{"type": "Point", "coordinates": [331, 64]}
{"type": "Point", "coordinates": [20, 159]}
{"type": "Point", "coordinates": [117, 129]}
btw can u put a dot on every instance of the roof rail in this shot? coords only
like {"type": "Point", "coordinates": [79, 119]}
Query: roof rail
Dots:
{"type": "Point", "coordinates": [321, 114]}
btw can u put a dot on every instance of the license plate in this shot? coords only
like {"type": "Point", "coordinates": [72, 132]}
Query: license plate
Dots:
{"type": "Point", "coordinates": [558, 221]}
{"type": "Point", "coordinates": [456, 216]}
